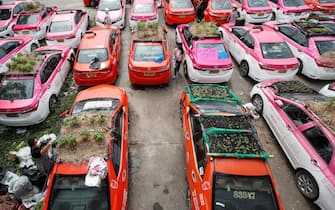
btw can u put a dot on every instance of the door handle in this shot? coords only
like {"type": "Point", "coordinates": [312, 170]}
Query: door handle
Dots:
{"type": "Point", "coordinates": [288, 127]}
{"type": "Point", "coordinates": [315, 162]}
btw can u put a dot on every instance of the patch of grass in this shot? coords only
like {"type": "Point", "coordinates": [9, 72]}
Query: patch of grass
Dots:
{"type": "Point", "coordinates": [70, 141]}
{"type": "Point", "coordinates": [99, 135]}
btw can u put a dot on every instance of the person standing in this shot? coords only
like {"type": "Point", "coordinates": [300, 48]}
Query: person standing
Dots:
{"type": "Point", "coordinates": [234, 15]}
{"type": "Point", "coordinates": [177, 59]}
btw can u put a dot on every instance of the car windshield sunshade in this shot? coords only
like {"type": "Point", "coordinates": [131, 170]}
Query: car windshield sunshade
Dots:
{"type": "Point", "coordinates": [243, 192]}
{"type": "Point", "coordinates": [5, 14]}
{"type": "Point", "coordinates": [70, 192]}
{"type": "Point", "coordinates": [143, 8]}
{"type": "Point", "coordinates": [181, 4]}
{"type": "Point", "coordinates": [109, 4]}
{"type": "Point", "coordinates": [242, 122]}
{"type": "Point", "coordinates": [89, 55]}
{"type": "Point", "coordinates": [27, 19]}
{"type": "Point", "coordinates": [278, 50]}
{"type": "Point", "coordinates": [221, 5]}
{"type": "Point", "coordinates": [60, 26]}
{"type": "Point", "coordinates": [258, 3]}
{"type": "Point", "coordinates": [154, 53]}
{"type": "Point", "coordinates": [17, 89]}
{"type": "Point", "coordinates": [211, 51]}
{"type": "Point", "coordinates": [96, 105]}
{"type": "Point", "coordinates": [294, 3]}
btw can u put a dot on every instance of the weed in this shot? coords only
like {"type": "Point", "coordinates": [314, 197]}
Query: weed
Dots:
{"type": "Point", "coordinates": [85, 135]}
{"type": "Point", "coordinates": [99, 135]}
{"type": "Point", "coordinates": [69, 141]}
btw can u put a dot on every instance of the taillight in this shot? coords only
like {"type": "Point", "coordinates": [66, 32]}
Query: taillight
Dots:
{"type": "Point", "coordinates": [72, 36]}
{"type": "Point", "coordinates": [266, 67]}
{"type": "Point", "coordinates": [105, 70]}
{"type": "Point", "coordinates": [324, 64]}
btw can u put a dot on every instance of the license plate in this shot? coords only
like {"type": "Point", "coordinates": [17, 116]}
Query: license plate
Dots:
{"type": "Point", "coordinates": [260, 14]}
{"type": "Point", "coordinates": [89, 75]}
{"type": "Point", "coordinates": [214, 72]}
{"type": "Point", "coordinates": [297, 13]}
{"type": "Point", "coordinates": [282, 71]}
{"type": "Point", "coordinates": [12, 115]}
{"type": "Point", "coordinates": [182, 16]}
{"type": "Point", "coordinates": [60, 40]}
{"type": "Point", "coordinates": [149, 74]}
{"type": "Point", "coordinates": [142, 21]}
{"type": "Point", "coordinates": [25, 32]}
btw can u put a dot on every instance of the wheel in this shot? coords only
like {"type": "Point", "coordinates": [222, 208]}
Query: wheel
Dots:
{"type": "Point", "coordinates": [273, 16]}
{"type": "Point", "coordinates": [257, 101]}
{"type": "Point", "coordinates": [188, 199]}
{"type": "Point", "coordinates": [185, 70]}
{"type": "Point", "coordinates": [33, 47]}
{"type": "Point", "coordinates": [307, 185]}
{"type": "Point", "coordinates": [301, 66]}
{"type": "Point", "coordinates": [52, 103]}
{"type": "Point", "coordinates": [244, 68]}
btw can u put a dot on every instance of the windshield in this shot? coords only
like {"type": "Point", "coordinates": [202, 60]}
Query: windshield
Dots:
{"type": "Point", "coordinates": [89, 55]}
{"type": "Point", "coordinates": [294, 3]}
{"type": "Point", "coordinates": [27, 19]}
{"type": "Point", "coordinates": [215, 107]}
{"type": "Point", "coordinates": [276, 50]}
{"type": "Point", "coordinates": [153, 53]}
{"type": "Point", "coordinates": [207, 50]}
{"type": "Point", "coordinates": [258, 3]}
{"type": "Point", "coordinates": [243, 192]}
{"type": "Point", "coordinates": [17, 89]}
{"type": "Point", "coordinates": [111, 5]}
{"type": "Point", "coordinates": [96, 104]}
{"type": "Point", "coordinates": [326, 47]}
{"type": "Point", "coordinates": [181, 4]}
{"type": "Point", "coordinates": [61, 26]}
{"type": "Point", "coordinates": [70, 192]}
{"type": "Point", "coordinates": [327, 1]}
{"type": "Point", "coordinates": [143, 8]}
{"type": "Point", "coordinates": [5, 14]}
{"type": "Point", "coordinates": [221, 5]}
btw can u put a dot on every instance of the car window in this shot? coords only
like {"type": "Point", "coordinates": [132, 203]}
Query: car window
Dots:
{"type": "Point", "coordinates": [112, 5]}
{"type": "Point", "coordinates": [274, 1]}
{"type": "Point", "coordinates": [198, 142]}
{"type": "Point", "coordinates": [181, 4]}
{"type": "Point", "coordinates": [143, 8]}
{"type": "Point", "coordinates": [221, 5]}
{"type": "Point", "coordinates": [294, 34]}
{"type": "Point", "coordinates": [78, 16]}
{"type": "Point", "coordinates": [325, 47]}
{"type": "Point", "coordinates": [27, 19]}
{"type": "Point", "coordinates": [9, 46]}
{"type": "Point", "coordinates": [152, 52]}
{"type": "Point", "coordinates": [49, 9]}
{"type": "Point", "coordinates": [95, 104]}
{"type": "Point", "coordinates": [298, 116]}
{"type": "Point", "coordinates": [243, 192]}
{"type": "Point", "coordinates": [276, 50]}
{"type": "Point", "coordinates": [112, 38]}
{"type": "Point", "coordinates": [89, 55]}
{"type": "Point", "coordinates": [248, 40]}
{"type": "Point", "coordinates": [294, 3]}
{"type": "Point", "coordinates": [60, 26]}
{"type": "Point", "coordinates": [49, 67]}
{"type": "Point", "coordinates": [258, 3]}
{"type": "Point", "coordinates": [5, 14]}
{"type": "Point", "coordinates": [319, 142]}
{"type": "Point", "coordinates": [17, 9]}
{"type": "Point", "coordinates": [43, 14]}
{"type": "Point", "coordinates": [326, 1]}
{"type": "Point", "coordinates": [16, 89]}
{"type": "Point", "coordinates": [187, 35]}
{"type": "Point", "coordinates": [238, 32]}
{"type": "Point", "coordinates": [117, 141]}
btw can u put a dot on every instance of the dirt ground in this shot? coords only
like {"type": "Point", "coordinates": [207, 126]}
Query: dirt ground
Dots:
{"type": "Point", "coordinates": [157, 179]}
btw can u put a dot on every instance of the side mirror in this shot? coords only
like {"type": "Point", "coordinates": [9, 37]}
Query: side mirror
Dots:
{"type": "Point", "coordinates": [279, 102]}
{"type": "Point", "coordinates": [201, 171]}
{"type": "Point", "coordinates": [187, 109]}
{"type": "Point", "coordinates": [15, 15]}
{"type": "Point", "coordinates": [64, 114]}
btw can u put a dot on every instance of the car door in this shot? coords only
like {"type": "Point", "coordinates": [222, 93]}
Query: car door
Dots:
{"type": "Point", "coordinates": [234, 43]}
{"type": "Point", "coordinates": [50, 74]}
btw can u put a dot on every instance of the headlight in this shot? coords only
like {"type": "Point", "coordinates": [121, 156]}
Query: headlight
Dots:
{"type": "Point", "coordinates": [3, 28]}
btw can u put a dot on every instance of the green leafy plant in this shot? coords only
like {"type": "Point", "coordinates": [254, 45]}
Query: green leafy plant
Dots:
{"type": "Point", "coordinates": [33, 6]}
{"type": "Point", "coordinates": [69, 140]}
{"type": "Point", "coordinates": [99, 135]}
{"type": "Point", "coordinates": [22, 63]}
{"type": "Point", "coordinates": [71, 121]}
{"type": "Point", "coordinates": [92, 119]}
{"type": "Point", "coordinates": [101, 118]}
{"type": "Point", "coordinates": [85, 135]}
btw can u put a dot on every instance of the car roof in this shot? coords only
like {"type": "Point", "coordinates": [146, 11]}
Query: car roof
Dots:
{"type": "Point", "coordinates": [143, 1]}
{"type": "Point", "coordinates": [263, 34]}
{"type": "Point", "coordinates": [97, 37]}
{"type": "Point", "coordinates": [64, 15]}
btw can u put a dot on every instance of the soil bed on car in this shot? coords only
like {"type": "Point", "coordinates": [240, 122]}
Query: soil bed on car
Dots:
{"type": "Point", "coordinates": [325, 110]}
{"type": "Point", "coordinates": [289, 87]}
{"type": "Point", "coordinates": [229, 122]}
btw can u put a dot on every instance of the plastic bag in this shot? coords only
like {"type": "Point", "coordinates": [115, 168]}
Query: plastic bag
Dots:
{"type": "Point", "coordinates": [24, 156]}
{"type": "Point", "coordinates": [21, 187]}
{"type": "Point", "coordinates": [97, 170]}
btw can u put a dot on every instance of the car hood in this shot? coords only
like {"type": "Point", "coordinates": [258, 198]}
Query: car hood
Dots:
{"type": "Point", "coordinates": [85, 67]}
{"type": "Point", "coordinates": [211, 57]}
{"type": "Point", "coordinates": [113, 15]}
{"type": "Point", "coordinates": [4, 23]}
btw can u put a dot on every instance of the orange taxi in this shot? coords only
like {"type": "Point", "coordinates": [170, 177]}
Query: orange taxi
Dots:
{"type": "Point", "coordinates": [226, 167]}
{"type": "Point", "coordinates": [97, 57]}
{"type": "Point", "coordinates": [218, 11]}
{"type": "Point", "coordinates": [322, 6]}
{"type": "Point", "coordinates": [178, 11]}
{"type": "Point", "coordinates": [149, 58]}
{"type": "Point", "coordinates": [70, 183]}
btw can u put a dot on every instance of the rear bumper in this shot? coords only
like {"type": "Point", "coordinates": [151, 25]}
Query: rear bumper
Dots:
{"type": "Point", "coordinates": [158, 78]}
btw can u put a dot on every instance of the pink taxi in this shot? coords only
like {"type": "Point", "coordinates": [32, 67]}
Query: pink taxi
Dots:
{"type": "Point", "coordinates": [313, 43]}
{"type": "Point", "coordinates": [143, 11]}
{"type": "Point", "coordinates": [11, 46]}
{"type": "Point", "coordinates": [289, 10]}
{"type": "Point", "coordinates": [34, 22]}
{"type": "Point", "coordinates": [255, 11]}
{"type": "Point", "coordinates": [207, 59]}
{"type": "Point", "coordinates": [328, 90]}
{"type": "Point", "coordinates": [67, 27]}
{"type": "Point", "coordinates": [306, 140]}
{"type": "Point", "coordinates": [27, 97]}
{"type": "Point", "coordinates": [8, 16]}
{"type": "Point", "coordinates": [113, 11]}
{"type": "Point", "coordinates": [260, 51]}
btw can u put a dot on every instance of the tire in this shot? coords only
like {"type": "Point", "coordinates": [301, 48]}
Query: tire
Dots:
{"type": "Point", "coordinates": [301, 66]}
{"type": "Point", "coordinates": [188, 199]}
{"type": "Point", "coordinates": [185, 70]}
{"type": "Point", "coordinates": [244, 68]}
{"type": "Point", "coordinates": [257, 101]}
{"type": "Point", "coordinates": [273, 16]}
{"type": "Point", "coordinates": [306, 185]}
{"type": "Point", "coordinates": [33, 47]}
{"type": "Point", "coordinates": [52, 103]}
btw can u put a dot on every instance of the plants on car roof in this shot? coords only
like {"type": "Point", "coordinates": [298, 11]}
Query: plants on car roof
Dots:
{"type": "Point", "coordinates": [69, 140]}
{"type": "Point", "coordinates": [99, 135]}
{"type": "Point", "coordinates": [71, 121]}
{"type": "Point", "coordinates": [209, 92]}
{"type": "Point", "coordinates": [85, 135]}
{"type": "Point", "coordinates": [204, 29]}
{"type": "Point", "coordinates": [22, 63]}
{"type": "Point", "coordinates": [229, 122]}
{"type": "Point", "coordinates": [283, 87]}
{"type": "Point", "coordinates": [32, 6]}
{"type": "Point", "coordinates": [145, 31]}
{"type": "Point", "coordinates": [325, 110]}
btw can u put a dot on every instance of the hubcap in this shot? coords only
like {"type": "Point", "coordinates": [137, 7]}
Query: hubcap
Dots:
{"type": "Point", "coordinates": [305, 185]}
{"type": "Point", "coordinates": [258, 103]}
{"type": "Point", "coordinates": [244, 68]}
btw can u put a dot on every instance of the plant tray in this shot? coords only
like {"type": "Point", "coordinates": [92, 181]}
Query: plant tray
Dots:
{"type": "Point", "coordinates": [229, 122]}
{"type": "Point", "coordinates": [233, 143]}
{"type": "Point", "coordinates": [291, 87]}
{"type": "Point", "coordinates": [211, 92]}
{"type": "Point", "coordinates": [148, 32]}
{"type": "Point", "coordinates": [204, 29]}
{"type": "Point", "coordinates": [324, 111]}
{"type": "Point", "coordinates": [314, 28]}
{"type": "Point", "coordinates": [24, 64]}
{"type": "Point", "coordinates": [91, 135]}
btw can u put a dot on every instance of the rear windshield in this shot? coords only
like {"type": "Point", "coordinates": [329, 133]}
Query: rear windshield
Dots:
{"type": "Point", "coordinates": [258, 3]}
{"type": "Point", "coordinates": [154, 53]}
{"type": "Point", "coordinates": [28, 19]}
{"type": "Point", "coordinates": [7, 47]}
{"type": "Point", "coordinates": [5, 14]}
{"type": "Point", "coordinates": [110, 4]}
{"type": "Point", "coordinates": [214, 107]}
{"type": "Point", "coordinates": [327, 1]}
{"type": "Point", "coordinates": [276, 50]}
{"type": "Point", "coordinates": [143, 8]}
{"type": "Point", "coordinates": [96, 104]}
{"type": "Point", "coordinates": [243, 192]}
{"type": "Point", "coordinates": [70, 192]}
{"type": "Point", "coordinates": [181, 4]}
{"type": "Point", "coordinates": [212, 49]}
{"type": "Point", "coordinates": [16, 89]}
{"type": "Point", "coordinates": [61, 26]}
{"type": "Point", "coordinates": [89, 55]}
{"type": "Point", "coordinates": [327, 46]}
{"type": "Point", "coordinates": [294, 3]}
{"type": "Point", "coordinates": [221, 5]}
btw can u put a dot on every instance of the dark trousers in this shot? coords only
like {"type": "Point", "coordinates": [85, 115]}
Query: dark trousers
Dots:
{"type": "Point", "coordinates": [176, 67]}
